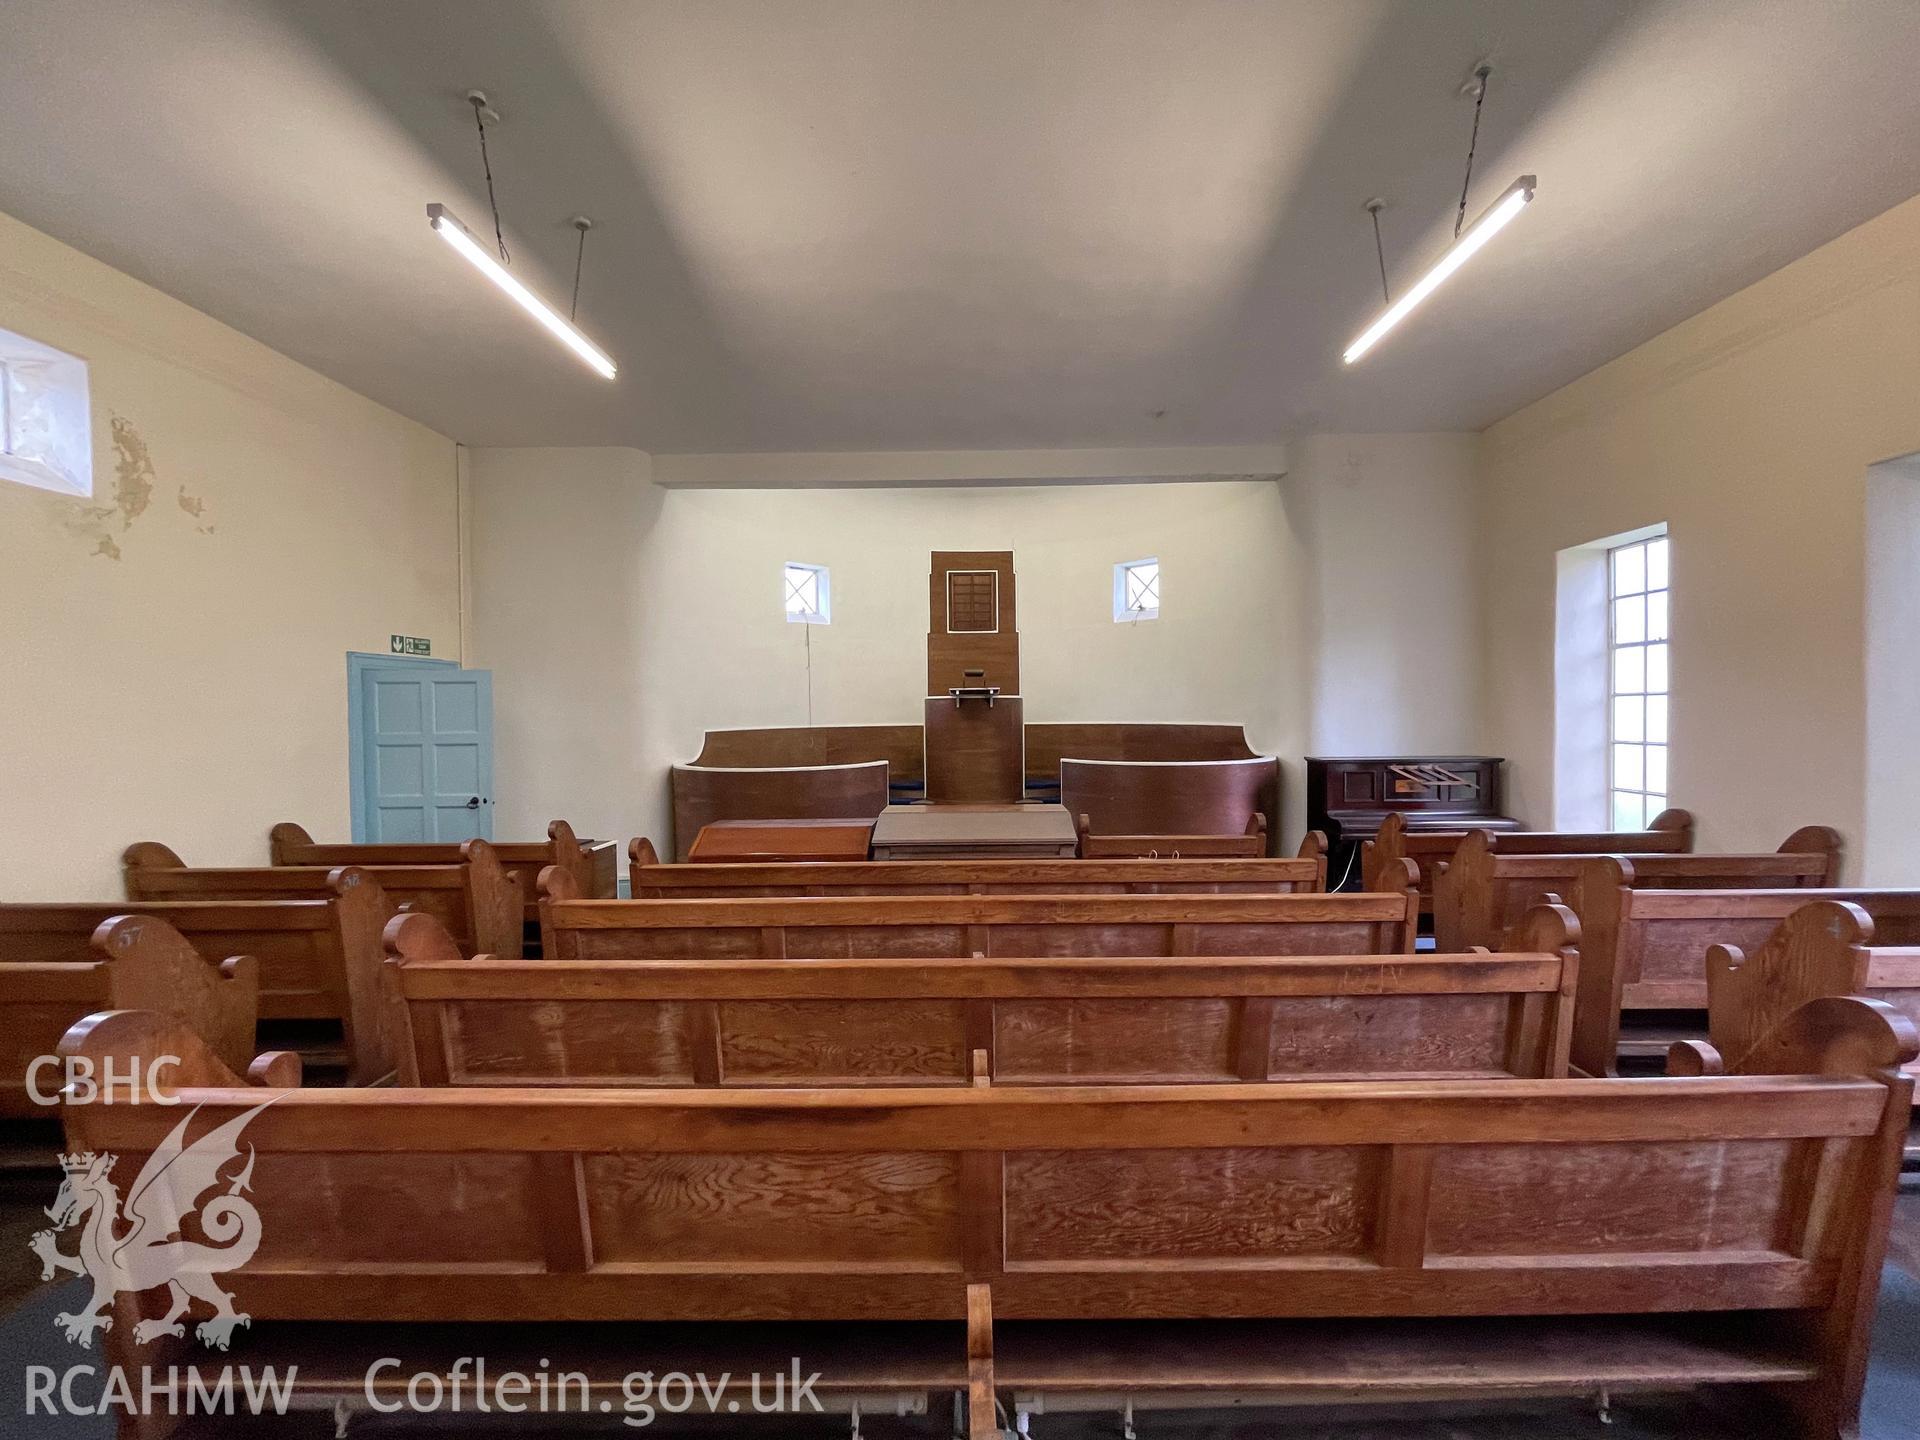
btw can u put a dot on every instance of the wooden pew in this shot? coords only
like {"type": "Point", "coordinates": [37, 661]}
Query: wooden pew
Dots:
{"type": "Point", "coordinates": [1183, 796]}
{"type": "Point", "coordinates": [1644, 951]}
{"type": "Point", "coordinates": [1250, 843]}
{"type": "Point", "coordinates": [475, 900]}
{"type": "Point", "coordinates": [948, 1021]}
{"type": "Point", "coordinates": [594, 864]}
{"type": "Point", "coordinates": [1584, 1210]}
{"type": "Point", "coordinates": [1821, 953]}
{"type": "Point", "coordinates": [930, 926]}
{"type": "Point", "coordinates": [651, 880]}
{"type": "Point", "coordinates": [703, 794]}
{"type": "Point", "coordinates": [319, 959]}
{"type": "Point", "coordinates": [1671, 833]}
{"type": "Point", "coordinates": [1481, 891]}
{"type": "Point", "coordinates": [132, 962]}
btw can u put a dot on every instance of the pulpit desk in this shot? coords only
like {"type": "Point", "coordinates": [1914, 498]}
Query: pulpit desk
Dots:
{"type": "Point", "coordinates": [974, 832]}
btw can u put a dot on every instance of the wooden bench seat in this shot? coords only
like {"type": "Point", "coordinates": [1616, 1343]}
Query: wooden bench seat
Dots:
{"type": "Point", "coordinates": [651, 880]}
{"type": "Point", "coordinates": [1763, 1195]}
{"type": "Point", "coordinates": [1483, 888]}
{"type": "Point", "coordinates": [132, 962]}
{"type": "Point", "coordinates": [475, 899]}
{"type": "Point", "coordinates": [1670, 833]}
{"type": "Point", "coordinates": [924, 927]}
{"type": "Point", "coordinates": [593, 864]}
{"type": "Point", "coordinates": [319, 959]}
{"type": "Point", "coordinates": [1643, 952]}
{"type": "Point", "coordinates": [487, 1021]}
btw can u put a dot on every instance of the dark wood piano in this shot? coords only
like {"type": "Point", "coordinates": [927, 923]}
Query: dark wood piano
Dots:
{"type": "Point", "coordinates": [1349, 795]}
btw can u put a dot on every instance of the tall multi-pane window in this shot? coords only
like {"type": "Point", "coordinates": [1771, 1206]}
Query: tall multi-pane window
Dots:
{"type": "Point", "coordinates": [1637, 764]}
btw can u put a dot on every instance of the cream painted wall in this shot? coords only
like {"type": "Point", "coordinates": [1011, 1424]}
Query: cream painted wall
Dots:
{"type": "Point", "coordinates": [566, 614]}
{"type": "Point", "coordinates": [1749, 429]}
{"type": "Point", "coordinates": [595, 702]}
{"type": "Point", "coordinates": [692, 636]}
{"type": "Point", "coordinates": [174, 657]}
{"type": "Point", "coordinates": [1396, 622]}
{"type": "Point", "coordinates": [1893, 673]}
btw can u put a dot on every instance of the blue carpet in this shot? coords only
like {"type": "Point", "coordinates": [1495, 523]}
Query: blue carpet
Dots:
{"type": "Point", "coordinates": [1892, 1408]}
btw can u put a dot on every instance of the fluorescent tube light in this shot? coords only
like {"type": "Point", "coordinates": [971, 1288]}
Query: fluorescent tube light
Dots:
{"type": "Point", "coordinates": [1471, 239]}
{"type": "Point", "coordinates": [449, 229]}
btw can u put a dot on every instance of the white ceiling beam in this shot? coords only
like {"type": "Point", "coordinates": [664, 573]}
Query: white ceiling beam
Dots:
{"type": "Point", "coordinates": [889, 468]}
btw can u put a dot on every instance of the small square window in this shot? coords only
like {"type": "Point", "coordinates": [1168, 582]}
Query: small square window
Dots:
{"type": "Point", "coordinates": [46, 425]}
{"type": "Point", "coordinates": [809, 594]}
{"type": "Point", "coordinates": [1136, 590]}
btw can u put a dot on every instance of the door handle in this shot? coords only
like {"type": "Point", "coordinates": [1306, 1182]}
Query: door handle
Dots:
{"type": "Point", "coordinates": [473, 803]}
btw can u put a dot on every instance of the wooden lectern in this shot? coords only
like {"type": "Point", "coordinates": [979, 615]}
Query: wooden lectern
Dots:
{"type": "Point", "coordinates": [975, 727]}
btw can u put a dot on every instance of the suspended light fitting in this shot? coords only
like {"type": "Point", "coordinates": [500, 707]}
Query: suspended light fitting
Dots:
{"type": "Point", "coordinates": [448, 227]}
{"type": "Point", "coordinates": [1467, 239]}
{"type": "Point", "coordinates": [470, 247]}
{"type": "Point", "coordinates": [1462, 250]}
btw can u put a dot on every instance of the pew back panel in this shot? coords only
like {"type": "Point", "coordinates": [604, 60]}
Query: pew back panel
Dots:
{"type": "Point", "coordinates": [1184, 797]}
{"type": "Point", "coordinates": [476, 900]}
{"type": "Point", "coordinates": [319, 959]}
{"type": "Point", "coordinates": [949, 1022]}
{"type": "Point", "coordinates": [593, 864]}
{"type": "Point", "coordinates": [703, 794]}
{"type": "Point", "coordinates": [134, 962]}
{"type": "Point", "coordinates": [1671, 832]}
{"type": "Point", "coordinates": [1479, 892]}
{"type": "Point", "coordinates": [649, 879]}
{"type": "Point", "coordinates": [1646, 949]}
{"type": "Point", "coordinates": [926, 927]}
{"type": "Point", "coordinates": [1823, 949]}
{"type": "Point", "coordinates": [1250, 843]}
{"type": "Point", "coordinates": [1453, 1198]}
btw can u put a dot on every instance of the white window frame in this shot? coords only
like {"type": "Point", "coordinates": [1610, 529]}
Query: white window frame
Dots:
{"type": "Point", "coordinates": [1124, 610]}
{"type": "Point", "coordinates": [59, 381]}
{"type": "Point", "coordinates": [1639, 680]}
{"type": "Point", "coordinates": [820, 612]}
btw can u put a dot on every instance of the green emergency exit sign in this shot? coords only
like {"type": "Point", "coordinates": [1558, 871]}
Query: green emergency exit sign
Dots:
{"type": "Point", "coordinates": [411, 645]}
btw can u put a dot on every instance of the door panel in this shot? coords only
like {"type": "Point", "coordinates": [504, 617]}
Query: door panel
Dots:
{"type": "Point", "coordinates": [396, 711]}
{"type": "Point", "coordinates": [423, 751]}
{"type": "Point", "coordinates": [462, 751]}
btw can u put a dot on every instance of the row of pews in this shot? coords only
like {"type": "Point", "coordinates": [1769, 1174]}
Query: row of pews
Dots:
{"type": "Point", "coordinates": [1032, 1102]}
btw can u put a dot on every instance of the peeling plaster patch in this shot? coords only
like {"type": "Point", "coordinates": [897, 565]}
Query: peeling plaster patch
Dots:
{"type": "Point", "coordinates": [91, 525]}
{"type": "Point", "coordinates": [197, 508]}
{"type": "Point", "coordinates": [134, 467]}
{"type": "Point", "coordinates": [135, 479]}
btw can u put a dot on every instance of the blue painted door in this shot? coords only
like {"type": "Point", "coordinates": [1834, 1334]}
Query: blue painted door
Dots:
{"type": "Point", "coordinates": [422, 751]}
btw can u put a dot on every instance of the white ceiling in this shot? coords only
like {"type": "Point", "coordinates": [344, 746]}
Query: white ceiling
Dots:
{"type": "Point", "coordinates": [954, 224]}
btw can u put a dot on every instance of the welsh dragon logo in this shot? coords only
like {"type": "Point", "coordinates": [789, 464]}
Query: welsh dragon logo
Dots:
{"type": "Point", "coordinates": [144, 1247]}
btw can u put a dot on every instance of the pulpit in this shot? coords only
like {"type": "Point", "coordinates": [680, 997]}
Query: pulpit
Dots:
{"type": "Point", "coordinates": [973, 779]}
{"type": "Point", "coordinates": [974, 728]}
{"type": "Point", "coordinates": [976, 749]}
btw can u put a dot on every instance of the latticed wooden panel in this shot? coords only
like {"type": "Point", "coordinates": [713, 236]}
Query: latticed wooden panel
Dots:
{"type": "Point", "coordinates": [971, 602]}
